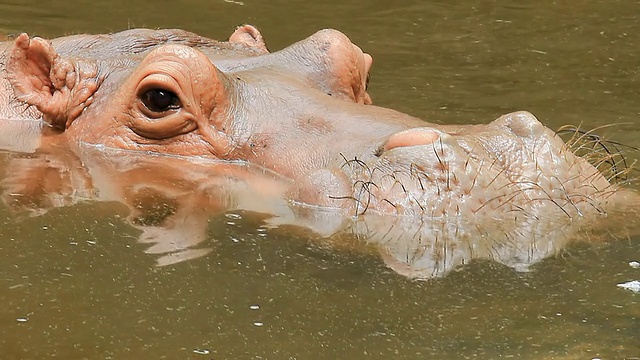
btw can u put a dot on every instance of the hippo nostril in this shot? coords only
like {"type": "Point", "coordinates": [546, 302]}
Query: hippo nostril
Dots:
{"type": "Point", "coordinates": [522, 123]}
{"type": "Point", "coordinates": [411, 137]}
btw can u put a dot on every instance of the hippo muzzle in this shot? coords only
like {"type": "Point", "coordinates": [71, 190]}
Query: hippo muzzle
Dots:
{"type": "Point", "coordinates": [513, 165]}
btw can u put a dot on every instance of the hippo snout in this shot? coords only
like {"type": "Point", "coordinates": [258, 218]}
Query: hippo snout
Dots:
{"type": "Point", "coordinates": [514, 164]}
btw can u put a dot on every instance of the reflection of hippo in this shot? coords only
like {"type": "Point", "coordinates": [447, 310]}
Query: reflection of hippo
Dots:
{"type": "Point", "coordinates": [170, 199]}
{"type": "Point", "coordinates": [303, 113]}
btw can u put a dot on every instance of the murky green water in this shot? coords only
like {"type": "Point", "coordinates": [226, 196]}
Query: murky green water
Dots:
{"type": "Point", "coordinates": [76, 283]}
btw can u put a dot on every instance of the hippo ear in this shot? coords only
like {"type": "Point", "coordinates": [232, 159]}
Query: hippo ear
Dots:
{"type": "Point", "coordinates": [59, 89]}
{"type": "Point", "coordinates": [249, 36]}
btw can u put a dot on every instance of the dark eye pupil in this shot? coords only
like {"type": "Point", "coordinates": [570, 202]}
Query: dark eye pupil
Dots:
{"type": "Point", "coordinates": [158, 100]}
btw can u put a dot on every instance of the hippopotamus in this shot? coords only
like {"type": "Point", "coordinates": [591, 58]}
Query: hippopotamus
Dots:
{"type": "Point", "coordinates": [302, 113]}
{"type": "Point", "coordinates": [183, 208]}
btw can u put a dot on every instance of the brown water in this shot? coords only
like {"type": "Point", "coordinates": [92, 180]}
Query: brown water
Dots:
{"type": "Point", "coordinates": [76, 283]}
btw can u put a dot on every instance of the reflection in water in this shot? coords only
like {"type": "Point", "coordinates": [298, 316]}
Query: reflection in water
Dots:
{"type": "Point", "coordinates": [433, 248]}
{"type": "Point", "coordinates": [171, 199]}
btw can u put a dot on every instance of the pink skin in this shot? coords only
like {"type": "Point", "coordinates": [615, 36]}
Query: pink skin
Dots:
{"type": "Point", "coordinates": [302, 112]}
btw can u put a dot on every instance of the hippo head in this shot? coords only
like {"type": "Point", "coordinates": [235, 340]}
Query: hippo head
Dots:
{"type": "Point", "coordinates": [174, 92]}
{"type": "Point", "coordinates": [512, 166]}
{"type": "Point", "coordinates": [302, 112]}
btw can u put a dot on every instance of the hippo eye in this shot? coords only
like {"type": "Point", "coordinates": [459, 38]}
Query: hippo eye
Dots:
{"type": "Point", "coordinates": [159, 100]}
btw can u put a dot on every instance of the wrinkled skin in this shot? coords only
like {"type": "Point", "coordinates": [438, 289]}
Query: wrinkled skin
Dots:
{"type": "Point", "coordinates": [304, 114]}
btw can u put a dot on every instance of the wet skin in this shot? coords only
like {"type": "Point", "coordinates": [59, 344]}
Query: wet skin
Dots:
{"type": "Point", "coordinates": [303, 113]}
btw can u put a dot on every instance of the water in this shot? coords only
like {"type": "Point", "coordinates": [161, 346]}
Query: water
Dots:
{"type": "Point", "coordinates": [77, 283]}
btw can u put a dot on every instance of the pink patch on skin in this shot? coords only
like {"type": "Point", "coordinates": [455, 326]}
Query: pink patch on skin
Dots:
{"type": "Point", "coordinates": [412, 137]}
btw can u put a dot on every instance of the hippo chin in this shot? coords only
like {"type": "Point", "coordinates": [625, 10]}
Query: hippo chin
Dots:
{"type": "Point", "coordinates": [299, 134]}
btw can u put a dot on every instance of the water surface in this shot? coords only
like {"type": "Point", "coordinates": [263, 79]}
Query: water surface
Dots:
{"type": "Point", "coordinates": [76, 282]}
